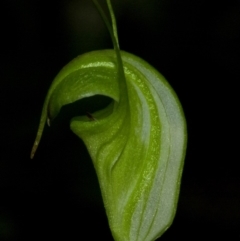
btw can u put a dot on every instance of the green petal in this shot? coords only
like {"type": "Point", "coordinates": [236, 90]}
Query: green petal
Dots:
{"type": "Point", "coordinates": [137, 143]}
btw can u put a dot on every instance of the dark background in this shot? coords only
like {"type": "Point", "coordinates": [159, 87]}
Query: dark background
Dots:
{"type": "Point", "coordinates": [193, 43]}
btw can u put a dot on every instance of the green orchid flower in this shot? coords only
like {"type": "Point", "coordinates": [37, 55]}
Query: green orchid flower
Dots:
{"type": "Point", "coordinates": [137, 143]}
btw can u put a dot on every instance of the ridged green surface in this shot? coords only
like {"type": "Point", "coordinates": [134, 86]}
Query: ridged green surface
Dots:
{"type": "Point", "coordinates": [137, 143]}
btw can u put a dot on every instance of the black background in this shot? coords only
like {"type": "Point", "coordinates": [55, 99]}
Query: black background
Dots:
{"type": "Point", "coordinates": [194, 44]}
